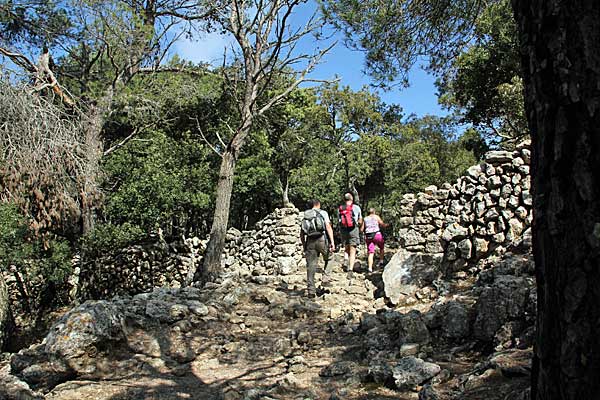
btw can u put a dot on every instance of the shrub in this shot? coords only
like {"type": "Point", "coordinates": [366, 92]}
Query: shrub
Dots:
{"type": "Point", "coordinates": [41, 264]}
{"type": "Point", "coordinates": [105, 238]}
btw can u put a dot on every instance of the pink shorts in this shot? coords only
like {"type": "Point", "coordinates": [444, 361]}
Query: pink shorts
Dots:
{"type": "Point", "coordinates": [376, 241]}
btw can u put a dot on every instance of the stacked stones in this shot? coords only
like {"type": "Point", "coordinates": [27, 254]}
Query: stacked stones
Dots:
{"type": "Point", "coordinates": [135, 269]}
{"type": "Point", "coordinates": [272, 248]}
{"type": "Point", "coordinates": [485, 211]}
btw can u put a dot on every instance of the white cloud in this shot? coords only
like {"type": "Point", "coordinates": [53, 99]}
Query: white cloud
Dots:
{"type": "Point", "coordinates": [207, 49]}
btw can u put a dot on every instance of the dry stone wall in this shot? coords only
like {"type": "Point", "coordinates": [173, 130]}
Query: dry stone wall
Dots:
{"type": "Point", "coordinates": [449, 232]}
{"type": "Point", "coordinates": [272, 248]}
{"type": "Point", "coordinates": [444, 232]}
{"type": "Point", "coordinates": [485, 211]}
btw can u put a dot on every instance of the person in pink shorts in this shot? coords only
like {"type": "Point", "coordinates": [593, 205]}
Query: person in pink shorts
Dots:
{"type": "Point", "coordinates": [372, 228]}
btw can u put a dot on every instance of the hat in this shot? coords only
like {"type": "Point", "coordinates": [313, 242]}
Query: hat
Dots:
{"type": "Point", "coordinates": [348, 196]}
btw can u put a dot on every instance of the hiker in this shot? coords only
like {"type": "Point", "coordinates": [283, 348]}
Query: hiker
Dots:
{"type": "Point", "coordinates": [374, 237]}
{"type": "Point", "coordinates": [317, 238]}
{"type": "Point", "coordinates": [350, 220]}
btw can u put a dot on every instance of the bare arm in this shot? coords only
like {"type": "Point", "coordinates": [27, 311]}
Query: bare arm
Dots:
{"type": "Point", "coordinates": [381, 223]}
{"type": "Point", "coordinates": [330, 235]}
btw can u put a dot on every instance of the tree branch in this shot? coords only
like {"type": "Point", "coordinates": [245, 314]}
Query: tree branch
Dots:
{"type": "Point", "coordinates": [208, 143]}
{"type": "Point", "coordinates": [121, 143]}
{"type": "Point", "coordinates": [313, 62]}
{"type": "Point", "coordinates": [20, 60]}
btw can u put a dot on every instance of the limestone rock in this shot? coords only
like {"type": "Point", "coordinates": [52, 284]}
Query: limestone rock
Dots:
{"type": "Point", "coordinates": [164, 311]}
{"type": "Point", "coordinates": [505, 300]}
{"type": "Point", "coordinates": [515, 229]}
{"type": "Point", "coordinates": [407, 272]}
{"type": "Point", "coordinates": [12, 387]}
{"type": "Point", "coordinates": [474, 171]}
{"type": "Point", "coordinates": [91, 324]}
{"type": "Point", "coordinates": [286, 265]}
{"type": "Point", "coordinates": [481, 247]}
{"type": "Point", "coordinates": [339, 368]}
{"type": "Point", "coordinates": [465, 246]}
{"type": "Point", "coordinates": [412, 329]}
{"type": "Point", "coordinates": [498, 156]}
{"type": "Point", "coordinates": [411, 372]}
{"type": "Point", "coordinates": [456, 323]}
{"type": "Point", "coordinates": [454, 232]}
{"type": "Point", "coordinates": [410, 237]}
{"type": "Point", "coordinates": [452, 319]}
{"type": "Point", "coordinates": [428, 392]}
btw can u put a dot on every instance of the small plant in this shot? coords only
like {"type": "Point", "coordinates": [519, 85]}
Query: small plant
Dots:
{"type": "Point", "coordinates": [40, 264]}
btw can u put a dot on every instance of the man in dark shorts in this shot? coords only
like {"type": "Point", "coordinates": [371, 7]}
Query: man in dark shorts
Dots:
{"type": "Point", "coordinates": [350, 214]}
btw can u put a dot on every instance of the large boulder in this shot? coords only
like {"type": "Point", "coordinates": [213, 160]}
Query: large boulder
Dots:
{"type": "Point", "coordinates": [84, 329]}
{"type": "Point", "coordinates": [76, 346]}
{"type": "Point", "coordinates": [508, 299]}
{"type": "Point", "coordinates": [451, 319]}
{"type": "Point", "coordinates": [411, 328]}
{"type": "Point", "coordinates": [411, 372]}
{"type": "Point", "coordinates": [408, 272]}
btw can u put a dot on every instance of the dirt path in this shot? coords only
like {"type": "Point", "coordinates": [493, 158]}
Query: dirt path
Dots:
{"type": "Point", "coordinates": [264, 339]}
{"type": "Point", "coordinates": [273, 343]}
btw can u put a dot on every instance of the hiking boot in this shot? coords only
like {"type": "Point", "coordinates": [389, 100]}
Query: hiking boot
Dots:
{"type": "Point", "coordinates": [350, 274]}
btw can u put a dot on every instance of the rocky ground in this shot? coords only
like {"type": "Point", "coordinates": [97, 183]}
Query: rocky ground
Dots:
{"type": "Point", "coordinates": [262, 339]}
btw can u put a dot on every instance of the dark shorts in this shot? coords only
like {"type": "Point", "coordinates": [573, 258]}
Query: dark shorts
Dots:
{"type": "Point", "coordinates": [350, 237]}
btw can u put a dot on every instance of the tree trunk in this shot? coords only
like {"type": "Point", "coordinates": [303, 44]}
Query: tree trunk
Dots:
{"type": "Point", "coordinates": [211, 267]}
{"type": "Point", "coordinates": [560, 45]}
{"type": "Point", "coordinates": [285, 191]}
{"type": "Point", "coordinates": [4, 312]}
{"type": "Point", "coordinates": [87, 213]}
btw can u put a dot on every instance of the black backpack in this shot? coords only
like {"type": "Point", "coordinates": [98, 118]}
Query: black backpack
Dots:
{"type": "Point", "coordinates": [313, 224]}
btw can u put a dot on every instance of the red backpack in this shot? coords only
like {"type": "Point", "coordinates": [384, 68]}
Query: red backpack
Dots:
{"type": "Point", "coordinates": [347, 216]}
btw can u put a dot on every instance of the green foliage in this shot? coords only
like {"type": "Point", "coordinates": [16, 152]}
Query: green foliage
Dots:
{"type": "Point", "coordinates": [159, 181]}
{"type": "Point", "coordinates": [484, 83]}
{"type": "Point", "coordinates": [33, 22]}
{"type": "Point", "coordinates": [13, 236]}
{"type": "Point", "coordinates": [396, 34]}
{"type": "Point", "coordinates": [105, 238]}
{"type": "Point", "coordinates": [163, 177]}
{"type": "Point", "coordinates": [471, 47]}
{"type": "Point", "coordinates": [360, 143]}
{"type": "Point", "coordinates": [42, 264]}
{"type": "Point", "coordinates": [411, 168]}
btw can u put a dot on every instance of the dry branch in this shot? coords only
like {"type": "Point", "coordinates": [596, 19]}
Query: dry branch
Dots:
{"type": "Point", "coordinates": [48, 158]}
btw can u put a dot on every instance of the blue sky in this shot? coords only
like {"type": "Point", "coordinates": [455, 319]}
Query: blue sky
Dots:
{"type": "Point", "coordinates": [420, 98]}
